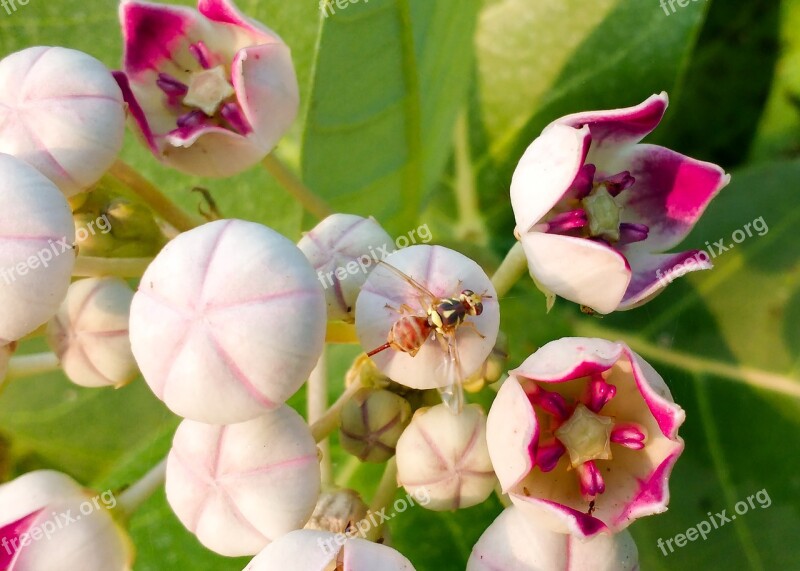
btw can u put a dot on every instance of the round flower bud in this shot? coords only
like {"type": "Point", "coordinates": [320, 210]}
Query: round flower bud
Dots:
{"type": "Point", "coordinates": [371, 424]}
{"type": "Point", "coordinates": [90, 333]}
{"type": "Point", "coordinates": [444, 456]}
{"type": "Point", "coordinates": [36, 251]}
{"type": "Point", "coordinates": [388, 297]}
{"type": "Point", "coordinates": [517, 542]}
{"type": "Point", "coordinates": [228, 322]}
{"type": "Point", "coordinates": [310, 550]}
{"type": "Point", "coordinates": [240, 486]}
{"type": "Point", "coordinates": [62, 112]}
{"type": "Point", "coordinates": [337, 511]}
{"type": "Point", "coordinates": [343, 249]}
{"type": "Point", "coordinates": [48, 521]}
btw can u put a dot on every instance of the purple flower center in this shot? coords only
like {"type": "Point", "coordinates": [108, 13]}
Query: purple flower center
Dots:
{"type": "Point", "coordinates": [590, 209]}
{"type": "Point", "coordinates": [576, 427]}
{"type": "Point", "coordinates": [204, 98]}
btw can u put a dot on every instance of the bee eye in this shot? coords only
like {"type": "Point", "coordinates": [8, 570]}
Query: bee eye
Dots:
{"type": "Point", "coordinates": [478, 308]}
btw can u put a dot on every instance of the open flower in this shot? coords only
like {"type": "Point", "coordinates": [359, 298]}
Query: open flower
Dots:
{"type": "Point", "coordinates": [595, 210]}
{"type": "Point", "coordinates": [516, 542]}
{"type": "Point", "coordinates": [583, 436]}
{"type": "Point", "coordinates": [212, 91]}
{"type": "Point", "coordinates": [48, 521]}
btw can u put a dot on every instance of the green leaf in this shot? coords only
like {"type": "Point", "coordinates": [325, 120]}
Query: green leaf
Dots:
{"type": "Point", "coordinates": [779, 130]}
{"type": "Point", "coordinates": [390, 78]}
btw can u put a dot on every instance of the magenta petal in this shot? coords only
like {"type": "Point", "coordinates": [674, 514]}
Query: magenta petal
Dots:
{"type": "Point", "coordinates": [569, 358]}
{"type": "Point", "coordinates": [9, 537]}
{"type": "Point", "coordinates": [150, 32]}
{"type": "Point", "coordinates": [135, 110]}
{"type": "Point", "coordinates": [670, 193]}
{"type": "Point", "coordinates": [225, 12]}
{"type": "Point", "coordinates": [653, 272]}
{"type": "Point", "coordinates": [629, 435]}
{"type": "Point", "coordinates": [548, 455]}
{"type": "Point", "coordinates": [652, 495]}
{"type": "Point", "coordinates": [622, 127]}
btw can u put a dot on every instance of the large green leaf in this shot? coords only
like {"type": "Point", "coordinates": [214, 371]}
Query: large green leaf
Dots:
{"type": "Point", "coordinates": [391, 76]}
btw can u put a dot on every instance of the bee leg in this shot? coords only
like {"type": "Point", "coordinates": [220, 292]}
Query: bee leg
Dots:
{"type": "Point", "coordinates": [474, 327]}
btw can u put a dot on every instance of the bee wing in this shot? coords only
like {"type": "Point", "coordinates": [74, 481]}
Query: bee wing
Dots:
{"type": "Point", "coordinates": [432, 299]}
{"type": "Point", "coordinates": [453, 393]}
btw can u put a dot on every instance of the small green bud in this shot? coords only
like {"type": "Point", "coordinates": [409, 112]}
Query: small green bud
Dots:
{"type": "Point", "coordinates": [372, 422]}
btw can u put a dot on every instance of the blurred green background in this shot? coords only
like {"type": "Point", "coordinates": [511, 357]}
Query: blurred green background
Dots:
{"type": "Point", "coordinates": [396, 94]}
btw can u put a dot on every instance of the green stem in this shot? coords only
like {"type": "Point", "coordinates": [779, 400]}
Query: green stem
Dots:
{"type": "Point", "coordinates": [89, 266]}
{"type": "Point", "coordinates": [131, 499]}
{"type": "Point", "coordinates": [470, 226]}
{"type": "Point", "coordinates": [288, 180]}
{"type": "Point", "coordinates": [384, 495]}
{"type": "Point", "coordinates": [514, 266]}
{"type": "Point", "coordinates": [157, 200]}
{"type": "Point", "coordinates": [317, 403]}
{"type": "Point", "coordinates": [21, 366]}
{"type": "Point", "coordinates": [329, 421]}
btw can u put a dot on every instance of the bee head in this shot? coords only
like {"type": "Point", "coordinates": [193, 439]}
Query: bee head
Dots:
{"type": "Point", "coordinates": [472, 301]}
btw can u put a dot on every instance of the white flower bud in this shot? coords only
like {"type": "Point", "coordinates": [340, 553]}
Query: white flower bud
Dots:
{"type": "Point", "coordinates": [228, 322]}
{"type": "Point", "coordinates": [62, 112]}
{"type": "Point", "coordinates": [241, 486]}
{"type": "Point", "coordinates": [310, 550]}
{"type": "Point", "coordinates": [387, 297]}
{"type": "Point", "coordinates": [515, 541]}
{"type": "Point", "coordinates": [90, 333]}
{"type": "Point", "coordinates": [48, 522]}
{"type": "Point", "coordinates": [343, 249]}
{"type": "Point", "coordinates": [36, 253]}
{"type": "Point", "coordinates": [445, 457]}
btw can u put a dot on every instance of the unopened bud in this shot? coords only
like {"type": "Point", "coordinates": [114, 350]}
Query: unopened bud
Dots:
{"type": "Point", "coordinates": [445, 456]}
{"type": "Point", "coordinates": [89, 334]}
{"type": "Point", "coordinates": [372, 422]}
{"type": "Point", "coordinates": [343, 249]}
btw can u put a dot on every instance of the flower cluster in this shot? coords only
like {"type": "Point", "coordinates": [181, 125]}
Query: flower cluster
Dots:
{"type": "Point", "coordinates": [230, 320]}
